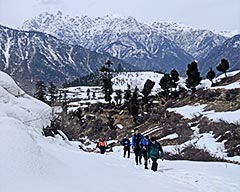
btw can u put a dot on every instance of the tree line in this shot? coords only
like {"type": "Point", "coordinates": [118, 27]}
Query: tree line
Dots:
{"type": "Point", "coordinates": [168, 83]}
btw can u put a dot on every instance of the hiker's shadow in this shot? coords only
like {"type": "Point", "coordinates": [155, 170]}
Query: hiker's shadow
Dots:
{"type": "Point", "coordinates": [162, 169]}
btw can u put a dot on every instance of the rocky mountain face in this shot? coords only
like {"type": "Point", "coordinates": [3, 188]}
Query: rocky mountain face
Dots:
{"type": "Point", "coordinates": [32, 56]}
{"type": "Point", "coordinates": [230, 50]}
{"type": "Point", "coordinates": [126, 38]}
{"type": "Point", "coordinates": [155, 46]}
{"type": "Point", "coordinates": [196, 42]}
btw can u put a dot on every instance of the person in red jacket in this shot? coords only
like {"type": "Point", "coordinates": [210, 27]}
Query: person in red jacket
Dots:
{"type": "Point", "coordinates": [102, 145]}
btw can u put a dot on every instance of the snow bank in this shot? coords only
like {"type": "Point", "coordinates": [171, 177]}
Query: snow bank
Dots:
{"type": "Point", "coordinates": [189, 111]}
{"type": "Point", "coordinates": [136, 79]}
{"type": "Point", "coordinates": [171, 136]}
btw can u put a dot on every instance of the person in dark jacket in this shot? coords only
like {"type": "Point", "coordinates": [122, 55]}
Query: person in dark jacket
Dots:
{"type": "Point", "coordinates": [125, 142]}
{"type": "Point", "coordinates": [136, 139]}
{"type": "Point", "coordinates": [145, 149]}
{"type": "Point", "coordinates": [155, 149]}
{"type": "Point", "coordinates": [102, 145]}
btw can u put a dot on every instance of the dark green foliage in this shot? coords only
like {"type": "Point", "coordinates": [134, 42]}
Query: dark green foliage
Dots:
{"type": "Point", "coordinates": [40, 91]}
{"type": "Point", "coordinates": [65, 84]}
{"type": "Point", "coordinates": [147, 90]}
{"type": "Point", "coordinates": [166, 84]}
{"type": "Point", "coordinates": [194, 77]}
{"type": "Point", "coordinates": [175, 77]}
{"type": "Point", "coordinates": [223, 66]}
{"type": "Point", "coordinates": [133, 106]}
{"type": "Point", "coordinates": [127, 94]}
{"type": "Point", "coordinates": [110, 122]}
{"type": "Point", "coordinates": [118, 97]}
{"type": "Point", "coordinates": [64, 100]}
{"type": "Point", "coordinates": [106, 77]}
{"type": "Point", "coordinates": [88, 93]}
{"type": "Point", "coordinates": [79, 114]}
{"type": "Point", "coordinates": [211, 74]}
{"type": "Point", "coordinates": [52, 93]}
{"type": "Point", "coordinates": [120, 68]}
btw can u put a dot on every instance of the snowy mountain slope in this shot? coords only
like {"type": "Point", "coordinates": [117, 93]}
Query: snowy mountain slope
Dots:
{"type": "Point", "coordinates": [229, 50]}
{"type": "Point", "coordinates": [136, 79]}
{"type": "Point", "coordinates": [126, 38]}
{"type": "Point", "coordinates": [32, 162]}
{"type": "Point", "coordinates": [33, 56]}
{"type": "Point", "coordinates": [196, 42]}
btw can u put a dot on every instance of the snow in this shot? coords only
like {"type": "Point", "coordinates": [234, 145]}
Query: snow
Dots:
{"type": "Point", "coordinates": [204, 141]}
{"type": "Point", "coordinates": [31, 162]}
{"type": "Point", "coordinates": [229, 74]}
{"type": "Point", "coordinates": [136, 79]}
{"type": "Point", "coordinates": [171, 136]}
{"type": "Point", "coordinates": [227, 116]}
{"type": "Point", "coordinates": [6, 52]}
{"type": "Point", "coordinates": [119, 126]}
{"type": "Point", "coordinates": [189, 111]}
{"type": "Point", "coordinates": [235, 85]}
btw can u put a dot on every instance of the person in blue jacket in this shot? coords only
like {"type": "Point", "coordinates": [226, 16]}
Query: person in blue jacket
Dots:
{"type": "Point", "coordinates": [145, 149]}
{"type": "Point", "coordinates": [136, 139]}
{"type": "Point", "coordinates": [155, 149]}
{"type": "Point", "coordinates": [125, 142]}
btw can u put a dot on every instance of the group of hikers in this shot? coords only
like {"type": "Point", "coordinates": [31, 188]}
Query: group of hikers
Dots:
{"type": "Point", "coordinates": [142, 146]}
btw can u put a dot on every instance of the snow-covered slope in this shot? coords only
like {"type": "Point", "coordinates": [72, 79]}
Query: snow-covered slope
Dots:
{"type": "Point", "coordinates": [126, 38]}
{"type": "Point", "coordinates": [229, 50]}
{"type": "Point", "coordinates": [33, 56]}
{"type": "Point", "coordinates": [196, 42]}
{"type": "Point", "coordinates": [136, 79]}
{"type": "Point", "coordinates": [30, 162]}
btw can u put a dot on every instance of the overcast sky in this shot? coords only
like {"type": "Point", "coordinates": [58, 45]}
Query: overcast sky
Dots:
{"type": "Point", "coordinates": [211, 14]}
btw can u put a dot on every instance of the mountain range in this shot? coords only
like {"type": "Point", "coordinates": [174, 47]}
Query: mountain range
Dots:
{"type": "Point", "coordinates": [56, 47]}
{"type": "Point", "coordinates": [32, 56]}
{"type": "Point", "coordinates": [230, 49]}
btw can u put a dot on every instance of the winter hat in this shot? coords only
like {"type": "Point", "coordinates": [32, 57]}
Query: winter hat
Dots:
{"type": "Point", "coordinates": [153, 138]}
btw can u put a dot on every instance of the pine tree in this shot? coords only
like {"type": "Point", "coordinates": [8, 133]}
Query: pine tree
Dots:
{"type": "Point", "coordinates": [65, 84]}
{"type": "Point", "coordinates": [40, 91]}
{"type": "Point", "coordinates": [223, 66]}
{"type": "Point", "coordinates": [211, 75]}
{"type": "Point", "coordinates": [120, 68]}
{"type": "Point", "coordinates": [106, 77]}
{"type": "Point", "coordinates": [88, 93]}
{"type": "Point", "coordinates": [110, 122]}
{"type": "Point", "coordinates": [148, 86]}
{"type": "Point", "coordinates": [53, 93]}
{"type": "Point", "coordinates": [64, 100]}
{"type": "Point", "coordinates": [133, 106]}
{"type": "Point", "coordinates": [79, 114]}
{"type": "Point", "coordinates": [118, 97]}
{"type": "Point", "coordinates": [127, 94]}
{"type": "Point", "coordinates": [166, 84]}
{"type": "Point", "coordinates": [175, 78]}
{"type": "Point", "coordinates": [194, 77]}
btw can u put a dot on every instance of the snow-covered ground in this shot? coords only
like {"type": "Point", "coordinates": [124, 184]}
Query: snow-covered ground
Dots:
{"type": "Point", "coordinates": [191, 111]}
{"type": "Point", "coordinates": [136, 79]}
{"type": "Point", "coordinates": [31, 162]}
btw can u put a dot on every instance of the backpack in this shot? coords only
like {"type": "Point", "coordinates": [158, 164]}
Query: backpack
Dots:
{"type": "Point", "coordinates": [154, 150]}
{"type": "Point", "coordinates": [102, 143]}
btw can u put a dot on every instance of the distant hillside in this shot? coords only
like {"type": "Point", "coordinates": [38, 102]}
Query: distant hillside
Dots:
{"type": "Point", "coordinates": [32, 56]}
{"type": "Point", "coordinates": [230, 50]}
